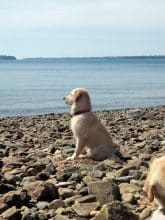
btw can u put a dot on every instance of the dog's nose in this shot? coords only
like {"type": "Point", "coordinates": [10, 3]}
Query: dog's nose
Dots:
{"type": "Point", "coordinates": [63, 98]}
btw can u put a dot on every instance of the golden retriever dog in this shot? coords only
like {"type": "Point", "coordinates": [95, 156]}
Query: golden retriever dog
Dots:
{"type": "Point", "coordinates": [155, 182]}
{"type": "Point", "coordinates": [88, 131]}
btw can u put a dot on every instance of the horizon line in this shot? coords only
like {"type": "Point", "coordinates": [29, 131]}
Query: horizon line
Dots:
{"type": "Point", "coordinates": [85, 57]}
{"type": "Point", "coordinates": [91, 57]}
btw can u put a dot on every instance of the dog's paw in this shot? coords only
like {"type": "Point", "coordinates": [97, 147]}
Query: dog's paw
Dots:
{"type": "Point", "coordinates": [73, 157]}
{"type": "Point", "coordinates": [84, 156]}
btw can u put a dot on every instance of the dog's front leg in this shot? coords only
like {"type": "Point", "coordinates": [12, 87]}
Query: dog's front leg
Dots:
{"type": "Point", "coordinates": [80, 144]}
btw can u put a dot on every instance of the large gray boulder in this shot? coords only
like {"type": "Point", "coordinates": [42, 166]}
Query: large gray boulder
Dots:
{"type": "Point", "coordinates": [105, 191]}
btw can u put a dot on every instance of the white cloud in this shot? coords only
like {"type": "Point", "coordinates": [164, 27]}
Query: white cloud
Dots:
{"type": "Point", "coordinates": [115, 15]}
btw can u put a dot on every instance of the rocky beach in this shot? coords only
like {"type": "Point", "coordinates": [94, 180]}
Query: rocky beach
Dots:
{"type": "Point", "coordinates": [38, 183]}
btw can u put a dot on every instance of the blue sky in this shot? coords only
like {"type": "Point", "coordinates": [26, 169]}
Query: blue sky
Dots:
{"type": "Point", "coordinates": [60, 28]}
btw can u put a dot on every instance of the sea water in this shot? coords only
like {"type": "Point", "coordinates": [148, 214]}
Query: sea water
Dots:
{"type": "Point", "coordinates": [37, 86]}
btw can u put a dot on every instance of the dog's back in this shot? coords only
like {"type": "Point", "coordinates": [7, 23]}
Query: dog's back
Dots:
{"type": "Point", "coordinates": [88, 127]}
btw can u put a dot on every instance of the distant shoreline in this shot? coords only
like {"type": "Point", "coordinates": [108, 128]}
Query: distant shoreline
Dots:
{"type": "Point", "coordinates": [92, 58]}
{"type": "Point", "coordinates": [11, 58]}
{"type": "Point", "coordinates": [5, 57]}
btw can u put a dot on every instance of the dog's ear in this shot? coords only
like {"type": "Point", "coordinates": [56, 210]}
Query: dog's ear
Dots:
{"type": "Point", "coordinates": [78, 95]}
{"type": "Point", "coordinates": [150, 191]}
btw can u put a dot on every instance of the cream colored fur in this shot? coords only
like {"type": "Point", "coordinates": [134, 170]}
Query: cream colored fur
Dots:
{"type": "Point", "coordinates": [88, 131]}
{"type": "Point", "coordinates": [155, 181]}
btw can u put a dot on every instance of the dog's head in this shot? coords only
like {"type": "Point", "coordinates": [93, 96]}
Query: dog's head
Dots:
{"type": "Point", "coordinates": [155, 182]}
{"type": "Point", "coordinates": [79, 100]}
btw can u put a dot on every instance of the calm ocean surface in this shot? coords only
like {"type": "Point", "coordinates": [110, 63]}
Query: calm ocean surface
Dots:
{"type": "Point", "coordinates": [31, 87]}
